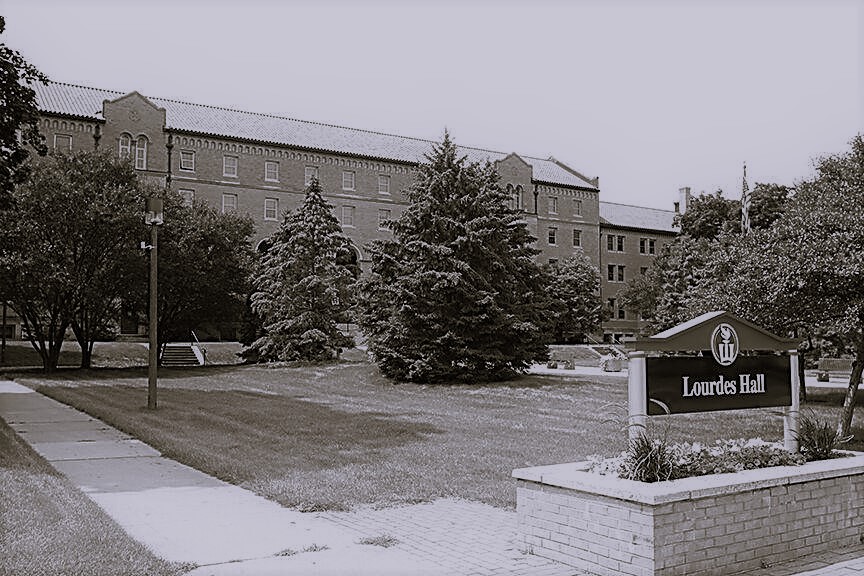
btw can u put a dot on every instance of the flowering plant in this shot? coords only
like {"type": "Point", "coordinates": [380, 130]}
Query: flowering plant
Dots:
{"type": "Point", "coordinates": [652, 460]}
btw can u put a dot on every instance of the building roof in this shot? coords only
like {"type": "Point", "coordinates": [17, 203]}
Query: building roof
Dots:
{"type": "Point", "coordinates": [637, 217]}
{"type": "Point", "coordinates": [84, 102]}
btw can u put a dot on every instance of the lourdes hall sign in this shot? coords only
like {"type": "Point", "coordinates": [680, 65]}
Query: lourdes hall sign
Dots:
{"type": "Point", "coordinates": [740, 366]}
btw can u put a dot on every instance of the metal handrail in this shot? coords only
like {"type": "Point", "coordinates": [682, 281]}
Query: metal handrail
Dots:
{"type": "Point", "coordinates": [195, 342]}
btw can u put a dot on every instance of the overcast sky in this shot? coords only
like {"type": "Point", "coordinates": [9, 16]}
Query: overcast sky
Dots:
{"type": "Point", "coordinates": [650, 96]}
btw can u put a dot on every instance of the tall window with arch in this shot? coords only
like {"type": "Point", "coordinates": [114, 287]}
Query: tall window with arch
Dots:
{"type": "Point", "coordinates": [514, 197]}
{"type": "Point", "coordinates": [125, 146]}
{"type": "Point", "coordinates": [141, 153]}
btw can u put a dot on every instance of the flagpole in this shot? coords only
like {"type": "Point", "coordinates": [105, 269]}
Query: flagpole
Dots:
{"type": "Point", "coordinates": [745, 200]}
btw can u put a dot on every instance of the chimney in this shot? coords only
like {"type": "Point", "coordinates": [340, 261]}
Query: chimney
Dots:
{"type": "Point", "coordinates": [685, 200]}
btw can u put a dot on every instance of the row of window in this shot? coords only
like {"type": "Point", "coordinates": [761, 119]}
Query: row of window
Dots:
{"type": "Point", "coordinates": [616, 272]}
{"type": "Point", "coordinates": [615, 243]}
{"type": "Point", "coordinates": [552, 237]}
{"type": "Point", "coordinates": [552, 206]}
{"type": "Point", "coordinates": [271, 209]}
{"type": "Point", "coordinates": [271, 172]}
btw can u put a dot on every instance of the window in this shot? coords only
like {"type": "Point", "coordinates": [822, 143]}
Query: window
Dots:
{"type": "Point", "coordinates": [229, 166]}
{"type": "Point", "coordinates": [643, 270]}
{"type": "Point", "coordinates": [271, 171]}
{"type": "Point", "coordinates": [229, 203]}
{"type": "Point", "coordinates": [610, 304]}
{"type": "Point", "coordinates": [647, 246]}
{"type": "Point", "coordinates": [620, 273]}
{"type": "Point", "coordinates": [63, 142]}
{"type": "Point", "coordinates": [553, 262]}
{"type": "Point", "coordinates": [141, 153]}
{"type": "Point", "coordinates": [188, 196]}
{"type": "Point", "coordinates": [615, 273]}
{"type": "Point", "coordinates": [187, 160]}
{"type": "Point", "coordinates": [348, 215]}
{"type": "Point", "coordinates": [271, 208]}
{"type": "Point", "coordinates": [383, 218]}
{"type": "Point", "coordinates": [622, 314]}
{"type": "Point", "coordinates": [553, 205]}
{"type": "Point", "coordinates": [125, 146]}
{"type": "Point", "coordinates": [383, 184]}
{"type": "Point", "coordinates": [614, 243]}
{"type": "Point", "coordinates": [577, 207]}
{"type": "Point", "coordinates": [610, 272]}
{"type": "Point", "coordinates": [514, 197]}
{"type": "Point", "coordinates": [310, 173]}
{"type": "Point", "coordinates": [577, 238]}
{"type": "Point", "coordinates": [553, 236]}
{"type": "Point", "coordinates": [347, 180]}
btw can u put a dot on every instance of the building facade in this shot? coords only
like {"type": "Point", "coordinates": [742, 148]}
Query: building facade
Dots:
{"type": "Point", "coordinates": [260, 164]}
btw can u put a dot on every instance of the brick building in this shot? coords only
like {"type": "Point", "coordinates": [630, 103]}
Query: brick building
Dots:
{"type": "Point", "coordinates": [260, 164]}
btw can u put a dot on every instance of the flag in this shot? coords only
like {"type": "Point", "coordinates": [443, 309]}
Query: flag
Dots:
{"type": "Point", "coordinates": [745, 204]}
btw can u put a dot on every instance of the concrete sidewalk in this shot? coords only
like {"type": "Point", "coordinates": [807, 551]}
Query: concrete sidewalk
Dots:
{"type": "Point", "coordinates": [184, 515]}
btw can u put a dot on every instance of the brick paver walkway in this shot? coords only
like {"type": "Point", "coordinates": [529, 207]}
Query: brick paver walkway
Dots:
{"type": "Point", "coordinates": [464, 537]}
{"type": "Point", "coordinates": [473, 539]}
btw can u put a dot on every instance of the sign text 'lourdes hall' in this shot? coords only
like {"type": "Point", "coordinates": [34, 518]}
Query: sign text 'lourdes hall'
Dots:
{"type": "Point", "coordinates": [724, 379]}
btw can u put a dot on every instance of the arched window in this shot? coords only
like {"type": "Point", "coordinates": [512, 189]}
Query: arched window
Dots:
{"type": "Point", "coordinates": [141, 153]}
{"type": "Point", "coordinates": [125, 145]}
{"type": "Point", "coordinates": [517, 198]}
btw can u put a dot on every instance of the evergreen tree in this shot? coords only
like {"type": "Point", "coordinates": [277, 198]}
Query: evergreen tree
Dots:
{"type": "Point", "coordinates": [301, 289]}
{"type": "Point", "coordinates": [456, 294]}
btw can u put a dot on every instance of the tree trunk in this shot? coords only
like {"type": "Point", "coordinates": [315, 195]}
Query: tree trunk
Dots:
{"type": "Point", "coordinates": [845, 426]}
{"type": "Point", "coordinates": [84, 342]}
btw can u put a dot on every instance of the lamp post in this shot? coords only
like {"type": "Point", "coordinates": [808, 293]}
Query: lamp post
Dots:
{"type": "Point", "coordinates": [154, 218]}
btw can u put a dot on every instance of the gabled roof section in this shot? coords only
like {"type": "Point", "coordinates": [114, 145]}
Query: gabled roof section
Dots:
{"type": "Point", "coordinates": [638, 217]}
{"type": "Point", "coordinates": [80, 101]}
{"type": "Point", "coordinates": [136, 94]}
{"type": "Point", "coordinates": [695, 334]}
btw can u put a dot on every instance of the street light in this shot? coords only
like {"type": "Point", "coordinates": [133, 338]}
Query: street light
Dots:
{"type": "Point", "coordinates": [153, 218]}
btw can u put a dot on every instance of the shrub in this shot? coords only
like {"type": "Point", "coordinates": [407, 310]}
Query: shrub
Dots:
{"type": "Point", "coordinates": [817, 438]}
{"type": "Point", "coordinates": [648, 460]}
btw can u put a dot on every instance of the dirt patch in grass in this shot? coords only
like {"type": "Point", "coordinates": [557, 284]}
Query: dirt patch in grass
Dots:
{"type": "Point", "coordinates": [48, 527]}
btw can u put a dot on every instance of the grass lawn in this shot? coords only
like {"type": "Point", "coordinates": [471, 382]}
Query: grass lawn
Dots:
{"type": "Point", "coordinates": [48, 527]}
{"type": "Point", "coordinates": [336, 436]}
{"type": "Point", "coordinates": [108, 354]}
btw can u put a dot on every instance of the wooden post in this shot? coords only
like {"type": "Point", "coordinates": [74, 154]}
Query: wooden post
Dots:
{"type": "Point", "coordinates": [636, 396]}
{"type": "Point", "coordinates": [790, 420]}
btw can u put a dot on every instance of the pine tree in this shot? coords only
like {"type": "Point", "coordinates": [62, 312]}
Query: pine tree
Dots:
{"type": "Point", "coordinates": [456, 295]}
{"type": "Point", "coordinates": [301, 290]}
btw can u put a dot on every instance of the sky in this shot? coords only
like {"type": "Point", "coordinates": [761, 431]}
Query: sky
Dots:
{"type": "Point", "coordinates": [649, 96]}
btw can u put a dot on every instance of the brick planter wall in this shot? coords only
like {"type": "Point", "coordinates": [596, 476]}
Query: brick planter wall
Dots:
{"type": "Point", "coordinates": [717, 524]}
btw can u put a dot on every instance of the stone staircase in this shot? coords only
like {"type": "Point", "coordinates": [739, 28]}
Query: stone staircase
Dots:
{"type": "Point", "coordinates": [181, 355]}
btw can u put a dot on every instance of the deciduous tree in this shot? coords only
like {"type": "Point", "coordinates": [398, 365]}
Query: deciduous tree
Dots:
{"type": "Point", "coordinates": [574, 291]}
{"type": "Point", "coordinates": [19, 122]}
{"type": "Point", "coordinates": [205, 262]}
{"type": "Point", "coordinates": [68, 254]}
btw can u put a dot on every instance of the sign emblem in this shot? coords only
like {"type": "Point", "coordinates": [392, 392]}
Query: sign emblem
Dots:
{"type": "Point", "coordinates": [724, 344]}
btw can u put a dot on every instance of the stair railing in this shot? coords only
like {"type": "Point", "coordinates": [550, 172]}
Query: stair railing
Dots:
{"type": "Point", "coordinates": [196, 345]}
